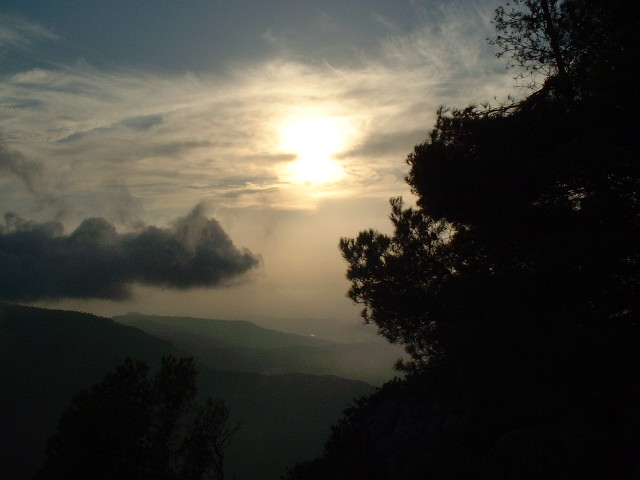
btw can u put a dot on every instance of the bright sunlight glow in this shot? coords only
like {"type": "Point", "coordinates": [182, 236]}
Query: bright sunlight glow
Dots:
{"type": "Point", "coordinates": [314, 142]}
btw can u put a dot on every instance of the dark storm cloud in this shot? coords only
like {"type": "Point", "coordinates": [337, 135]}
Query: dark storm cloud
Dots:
{"type": "Point", "coordinates": [37, 261]}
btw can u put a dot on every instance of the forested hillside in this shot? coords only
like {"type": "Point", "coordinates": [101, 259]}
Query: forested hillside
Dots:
{"type": "Point", "coordinates": [243, 346]}
{"type": "Point", "coordinates": [48, 356]}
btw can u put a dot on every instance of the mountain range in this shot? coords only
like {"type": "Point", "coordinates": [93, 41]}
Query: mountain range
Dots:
{"type": "Point", "coordinates": [47, 356]}
{"type": "Point", "coordinates": [246, 347]}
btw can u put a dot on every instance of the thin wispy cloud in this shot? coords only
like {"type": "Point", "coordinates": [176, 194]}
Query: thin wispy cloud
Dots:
{"type": "Point", "coordinates": [201, 129]}
{"type": "Point", "coordinates": [31, 175]}
{"type": "Point", "coordinates": [18, 32]}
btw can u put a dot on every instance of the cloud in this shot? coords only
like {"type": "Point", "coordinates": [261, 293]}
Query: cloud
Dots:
{"type": "Point", "coordinates": [386, 143]}
{"type": "Point", "coordinates": [31, 174]}
{"type": "Point", "coordinates": [127, 208]}
{"type": "Point", "coordinates": [20, 33]}
{"type": "Point", "coordinates": [175, 138]}
{"type": "Point", "coordinates": [136, 124]}
{"type": "Point", "coordinates": [15, 163]}
{"type": "Point", "coordinates": [143, 122]}
{"type": "Point", "coordinates": [122, 141]}
{"type": "Point", "coordinates": [38, 261]}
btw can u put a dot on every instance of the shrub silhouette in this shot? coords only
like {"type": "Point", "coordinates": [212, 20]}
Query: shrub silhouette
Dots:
{"type": "Point", "coordinates": [136, 427]}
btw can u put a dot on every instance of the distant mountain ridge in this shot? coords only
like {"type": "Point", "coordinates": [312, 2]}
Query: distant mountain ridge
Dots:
{"type": "Point", "coordinates": [244, 346]}
{"type": "Point", "coordinates": [47, 356]}
{"type": "Point", "coordinates": [333, 329]}
{"type": "Point", "coordinates": [229, 332]}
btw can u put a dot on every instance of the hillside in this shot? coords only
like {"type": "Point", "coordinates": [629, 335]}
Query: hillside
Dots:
{"type": "Point", "coordinates": [245, 346]}
{"type": "Point", "coordinates": [227, 332]}
{"type": "Point", "coordinates": [46, 356]}
{"type": "Point", "coordinates": [333, 329]}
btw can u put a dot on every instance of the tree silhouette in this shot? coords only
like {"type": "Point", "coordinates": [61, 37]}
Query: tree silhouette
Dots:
{"type": "Point", "coordinates": [514, 282]}
{"type": "Point", "coordinates": [534, 34]}
{"type": "Point", "coordinates": [135, 427]}
{"type": "Point", "coordinates": [527, 217]}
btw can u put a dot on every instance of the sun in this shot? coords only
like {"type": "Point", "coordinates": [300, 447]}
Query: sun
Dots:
{"type": "Point", "coordinates": [314, 141]}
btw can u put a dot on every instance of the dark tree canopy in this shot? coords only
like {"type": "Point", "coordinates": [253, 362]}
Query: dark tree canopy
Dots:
{"type": "Point", "coordinates": [528, 215]}
{"type": "Point", "coordinates": [567, 42]}
{"type": "Point", "coordinates": [535, 35]}
{"type": "Point", "coordinates": [135, 427]}
{"type": "Point", "coordinates": [514, 281]}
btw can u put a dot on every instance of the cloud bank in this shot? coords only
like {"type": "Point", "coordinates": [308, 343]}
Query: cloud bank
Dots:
{"type": "Point", "coordinates": [37, 261]}
{"type": "Point", "coordinates": [177, 138]}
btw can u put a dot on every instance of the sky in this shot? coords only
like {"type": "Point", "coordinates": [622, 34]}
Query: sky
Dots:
{"type": "Point", "coordinates": [204, 157]}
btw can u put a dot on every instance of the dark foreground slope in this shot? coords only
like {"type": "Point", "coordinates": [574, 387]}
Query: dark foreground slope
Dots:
{"type": "Point", "coordinates": [46, 356]}
{"type": "Point", "coordinates": [247, 347]}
